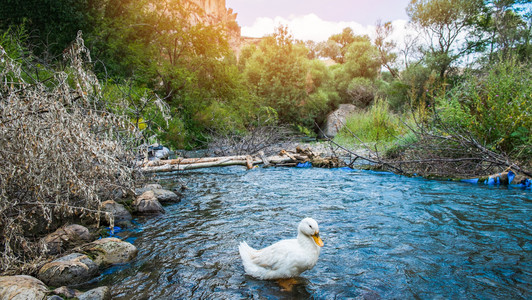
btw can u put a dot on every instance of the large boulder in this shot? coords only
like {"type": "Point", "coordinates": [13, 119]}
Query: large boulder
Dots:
{"type": "Point", "coordinates": [120, 213]}
{"type": "Point", "coordinates": [99, 293]}
{"type": "Point", "coordinates": [110, 251]}
{"type": "Point", "coordinates": [148, 203]}
{"type": "Point", "coordinates": [72, 269]}
{"type": "Point", "coordinates": [65, 238]}
{"type": "Point", "coordinates": [336, 120]}
{"type": "Point", "coordinates": [22, 287]}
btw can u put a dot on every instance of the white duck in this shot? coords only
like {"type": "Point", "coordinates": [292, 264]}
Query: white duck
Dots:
{"type": "Point", "coordinates": [286, 258]}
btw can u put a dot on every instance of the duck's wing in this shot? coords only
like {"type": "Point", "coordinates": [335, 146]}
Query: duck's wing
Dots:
{"type": "Point", "coordinates": [276, 256]}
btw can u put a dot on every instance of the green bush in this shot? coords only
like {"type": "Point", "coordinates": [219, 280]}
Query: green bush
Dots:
{"type": "Point", "coordinates": [377, 124]}
{"type": "Point", "coordinates": [494, 107]}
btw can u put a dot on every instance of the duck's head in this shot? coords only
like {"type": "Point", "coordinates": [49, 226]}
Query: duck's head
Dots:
{"type": "Point", "coordinates": [309, 227]}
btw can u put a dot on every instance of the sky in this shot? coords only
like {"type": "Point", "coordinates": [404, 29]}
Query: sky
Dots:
{"type": "Point", "coordinates": [318, 19]}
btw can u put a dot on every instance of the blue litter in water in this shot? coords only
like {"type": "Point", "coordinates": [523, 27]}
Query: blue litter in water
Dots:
{"type": "Point", "coordinates": [474, 180]}
{"type": "Point", "coordinates": [131, 239]}
{"type": "Point", "coordinates": [511, 176]}
{"type": "Point", "coordinates": [113, 231]}
{"type": "Point", "coordinates": [525, 184]}
{"type": "Point", "coordinates": [306, 164]}
{"type": "Point", "coordinates": [489, 181]}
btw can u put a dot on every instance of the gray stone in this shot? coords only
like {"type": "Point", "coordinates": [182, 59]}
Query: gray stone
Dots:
{"type": "Point", "coordinates": [164, 153]}
{"type": "Point", "coordinates": [54, 297]}
{"type": "Point", "coordinates": [110, 251]}
{"type": "Point", "coordinates": [65, 238]}
{"type": "Point", "coordinates": [100, 293]}
{"type": "Point", "coordinates": [147, 203]}
{"type": "Point", "coordinates": [336, 120]}
{"type": "Point", "coordinates": [21, 287]}
{"type": "Point", "coordinates": [120, 213]}
{"type": "Point", "coordinates": [147, 187]}
{"type": "Point", "coordinates": [72, 269]}
{"type": "Point", "coordinates": [165, 196]}
{"type": "Point", "coordinates": [67, 292]}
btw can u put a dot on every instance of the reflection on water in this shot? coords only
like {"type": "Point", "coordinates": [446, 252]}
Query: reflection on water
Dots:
{"type": "Point", "coordinates": [385, 237]}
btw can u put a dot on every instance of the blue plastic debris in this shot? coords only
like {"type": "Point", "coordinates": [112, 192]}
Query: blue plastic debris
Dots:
{"type": "Point", "coordinates": [113, 231]}
{"type": "Point", "coordinates": [499, 179]}
{"type": "Point", "coordinates": [474, 180]}
{"type": "Point", "coordinates": [306, 164]}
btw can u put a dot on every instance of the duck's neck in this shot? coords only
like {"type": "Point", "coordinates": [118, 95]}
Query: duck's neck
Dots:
{"type": "Point", "coordinates": [307, 242]}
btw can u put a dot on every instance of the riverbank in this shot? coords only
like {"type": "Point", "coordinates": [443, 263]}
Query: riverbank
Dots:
{"type": "Point", "coordinates": [75, 254]}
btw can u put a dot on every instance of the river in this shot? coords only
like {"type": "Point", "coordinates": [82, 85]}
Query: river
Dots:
{"type": "Point", "coordinates": [386, 237]}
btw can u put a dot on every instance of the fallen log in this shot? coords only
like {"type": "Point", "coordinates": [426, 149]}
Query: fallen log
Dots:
{"type": "Point", "coordinates": [264, 159]}
{"type": "Point", "coordinates": [187, 161]}
{"type": "Point", "coordinates": [192, 166]}
{"type": "Point", "coordinates": [283, 159]}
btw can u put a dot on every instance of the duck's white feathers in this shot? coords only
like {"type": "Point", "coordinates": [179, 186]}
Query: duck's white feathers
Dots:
{"type": "Point", "coordinates": [284, 259]}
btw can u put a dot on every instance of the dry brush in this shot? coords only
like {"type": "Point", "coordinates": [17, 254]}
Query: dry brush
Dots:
{"type": "Point", "coordinates": [62, 151]}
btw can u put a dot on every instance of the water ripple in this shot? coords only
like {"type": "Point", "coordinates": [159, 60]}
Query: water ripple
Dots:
{"type": "Point", "coordinates": [386, 237]}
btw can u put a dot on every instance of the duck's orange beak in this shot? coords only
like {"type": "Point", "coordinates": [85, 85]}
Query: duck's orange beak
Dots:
{"type": "Point", "coordinates": [317, 239]}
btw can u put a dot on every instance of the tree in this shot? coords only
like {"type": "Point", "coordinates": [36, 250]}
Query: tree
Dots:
{"type": "Point", "coordinates": [386, 47]}
{"type": "Point", "coordinates": [337, 45]}
{"type": "Point", "coordinates": [504, 28]}
{"type": "Point", "coordinates": [444, 22]}
{"type": "Point", "coordinates": [276, 72]}
{"type": "Point", "coordinates": [53, 23]}
{"type": "Point", "coordinates": [361, 67]}
{"type": "Point", "coordinates": [190, 64]}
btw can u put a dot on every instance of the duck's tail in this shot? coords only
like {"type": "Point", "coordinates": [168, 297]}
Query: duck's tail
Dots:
{"type": "Point", "coordinates": [245, 250]}
{"type": "Point", "coordinates": [246, 253]}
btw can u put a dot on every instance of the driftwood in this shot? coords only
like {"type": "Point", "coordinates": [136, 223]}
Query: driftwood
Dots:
{"type": "Point", "coordinates": [285, 158]}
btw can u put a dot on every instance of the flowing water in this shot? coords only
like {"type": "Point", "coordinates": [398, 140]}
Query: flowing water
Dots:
{"type": "Point", "coordinates": [386, 237]}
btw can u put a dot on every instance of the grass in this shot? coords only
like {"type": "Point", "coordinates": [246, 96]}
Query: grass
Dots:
{"type": "Point", "coordinates": [374, 125]}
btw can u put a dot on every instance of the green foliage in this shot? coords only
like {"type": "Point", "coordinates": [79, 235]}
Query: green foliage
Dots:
{"type": "Point", "coordinates": [276, 72]}
{"type": "Point", "coordinates": [337, 46]}
{"type": "Point", "coordinates": [377, 124]}
{"type": "Point", "coordinates": [361, 67]}
{"type": "Point", "coordinates": [494, 107]}
{"type": "Point", "coordinates": [175, 134]}
{"type": "Point", "coordinates": [12, 40]}
{"type": "Point", "coordinates": [502, 30]}
{"type": "Point", "coordinates": [443, 21]}
{"type": "Point", "coordinates": [53, 23]}
{"type": "Point", "coordinates": [189, 65]}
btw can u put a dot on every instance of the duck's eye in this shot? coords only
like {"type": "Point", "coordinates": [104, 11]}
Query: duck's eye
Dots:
{"type": "Point", "coordinates": [310, 226]}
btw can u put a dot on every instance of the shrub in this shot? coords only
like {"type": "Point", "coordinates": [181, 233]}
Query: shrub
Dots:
{"type": "Point", "coordinates": [62, 153]}
{"type": "Point", "coordinates": [377, 124]}
{"type": "Point", "coordinates": [361, 92]}
{"type": "Point", "coordinates": [494, 108]}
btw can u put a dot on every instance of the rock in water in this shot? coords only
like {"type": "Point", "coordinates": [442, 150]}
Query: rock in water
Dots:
{"type": "Point", "coordinates": [100, 293]}
{"type": "Point", "coordinates": [120, 213]}
{"type": "Point", "coordinates": [22, 287]}
{"type": "Point", "coordinates": [66, 292]}
{"type": "Point", "coordinates": [110, 251]}
{"type": "Point", "coordinates": [165, 196]}
{"type": "Point", "coordinates": [72, 269]}
{"type": "Point", "coordinates": [147, 187]}
{"type": "Point", "coordinates": [148, 203]}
